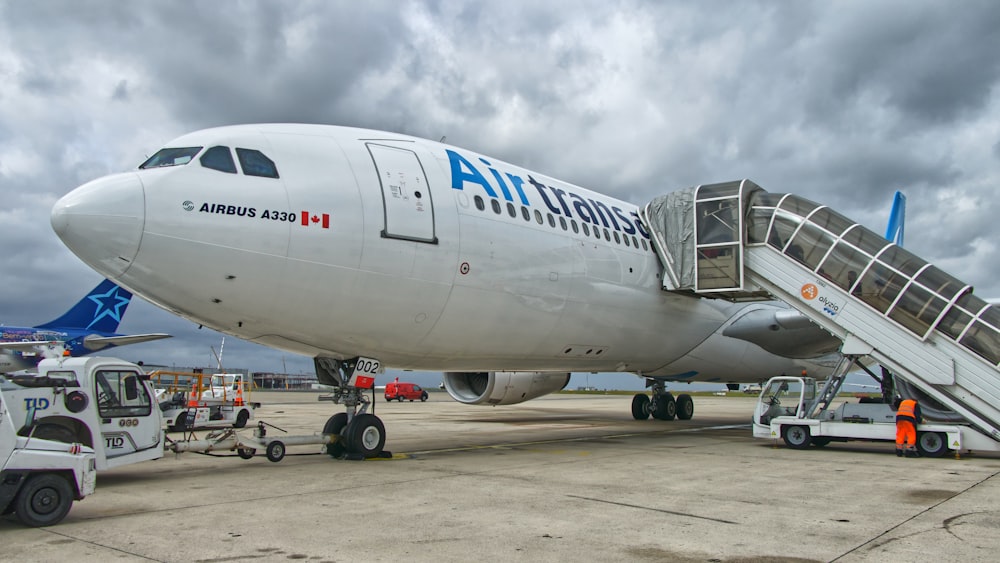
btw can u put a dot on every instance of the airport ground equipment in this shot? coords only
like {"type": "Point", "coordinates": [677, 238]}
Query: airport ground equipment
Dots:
{"type": "Point", "coordinates": [108, 405]}
{"type": "Point", "coordinates": [39, 479]}
{"type": "Point", "coordinates": [736, 241]}
{"type": "Point", "coordinates": [802, 413]}
{"type": "Point", "coordinates": [191, 401]}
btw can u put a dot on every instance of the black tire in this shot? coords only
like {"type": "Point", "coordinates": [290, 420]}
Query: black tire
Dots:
{"type": "Point", "coordinates": [54, 432]}
{"type": "Point", "coordinates": [640, 406]}
{"type": "Point", "coordinates": [932, 444]}
{"type": "Point", "coordinates": [44, 500]}
{"type": "Point", "coordinates": [399, 398]}
{"type": "Point", "coordinates": [664, 407]}
{"type": "Point", "coordinates": [685, 407]}
{"type": "Point", "coordinates": [820, 441]}
{"type": "Point", "coordinates": [335, 425]}
{"type": "Point", "coordinates": [246, 453]}
{"type": "Point", "coordinates": [276, 451]}
{"type": "Point", "coordinates": [242, 418]}
{"type": "Point", "coordinates": [423, 397]}
{"type": "Point", "coordinates": [366, 435]}
{"type": "Point", "coordinates": [796, 437]}
{"type": "Point", "coordinates": [388, 400]}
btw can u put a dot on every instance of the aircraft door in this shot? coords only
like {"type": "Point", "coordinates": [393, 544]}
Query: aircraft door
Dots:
{"type": "Point", "coordinates": [406, 196]}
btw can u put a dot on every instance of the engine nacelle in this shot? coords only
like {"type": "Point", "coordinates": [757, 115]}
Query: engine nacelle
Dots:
{"type": "Point", "coordinates": [502, 388]}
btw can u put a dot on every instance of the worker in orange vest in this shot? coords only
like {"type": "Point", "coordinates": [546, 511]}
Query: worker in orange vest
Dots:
{"type": "Point", "coordinates": [907, 418]}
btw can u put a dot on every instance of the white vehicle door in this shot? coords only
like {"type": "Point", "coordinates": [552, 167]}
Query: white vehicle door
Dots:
{"type": "Point", "coordinates": [124, 407]}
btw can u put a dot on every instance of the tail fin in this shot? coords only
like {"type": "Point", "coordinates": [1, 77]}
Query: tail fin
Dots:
{"type": "Point", "coordinates": [101, 310]}
{"type": "Point", "coordinates": [897, 219]}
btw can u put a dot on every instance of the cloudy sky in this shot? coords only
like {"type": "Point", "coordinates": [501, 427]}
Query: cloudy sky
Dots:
{"type": "Point", "coordinates": [841, 102]}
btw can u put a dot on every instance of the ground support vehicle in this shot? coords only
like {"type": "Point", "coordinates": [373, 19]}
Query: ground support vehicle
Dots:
{"type": "Point", "coordinates": [191, 401]}
{"type": "Point", "coordinates": [401, 391]}
{"type": "Point", "coordinates": [797, 411]}
{"type": "Point", "coordinates": [108, 405]}
{"type": "Point", "coordinates": [40, 479]}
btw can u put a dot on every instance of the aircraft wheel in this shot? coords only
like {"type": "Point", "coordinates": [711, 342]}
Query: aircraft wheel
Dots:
{"type": "Point", "coordinates": [242, 418]}
{"type": "Point", "coordinates": [335, 425]}
{"type": "Point", "coordinates": [640, 406]}
{"type": "Point", "coordinates": [685, 407]}
{"type": "Point", "coordinates": [276, 451]}
{"type": "Point", "coordinates": [246, 453]}
{"type": "Point", "coordinates": [366, 435]}
{"type": "Point", "coordinates": [664, 407]}
{"type": "Point", "coordinates": [44, 500]}
{"type": "Point", "coordinates": [932, 444]}
{"type": "Point", "coordinates": [796, 437]}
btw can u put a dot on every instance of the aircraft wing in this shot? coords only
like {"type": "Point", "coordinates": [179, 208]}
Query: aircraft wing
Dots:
{"type": "Point", "coordinates": [94, 342]}
{"type": "Point", "coordinates": [784, 332]}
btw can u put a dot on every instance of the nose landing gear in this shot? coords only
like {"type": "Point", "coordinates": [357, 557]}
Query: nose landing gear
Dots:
{"type": "Point", "coordinates": [359, 434]}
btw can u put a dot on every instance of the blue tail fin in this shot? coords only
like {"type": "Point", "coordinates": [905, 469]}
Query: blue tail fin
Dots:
{"type": "Point", "coordinates": [897, 219]}
{"type": "Point", "coordinates": [101, 310]}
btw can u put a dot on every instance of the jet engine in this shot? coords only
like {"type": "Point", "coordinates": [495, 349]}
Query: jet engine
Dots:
{"type": "Point", "coordinates": [502, 388]}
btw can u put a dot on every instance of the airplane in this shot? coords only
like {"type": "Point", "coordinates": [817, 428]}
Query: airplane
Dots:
{"type": "Point", "coordinates": [366, 249]}
{"type": "Point", "coordinates": [87, 327]}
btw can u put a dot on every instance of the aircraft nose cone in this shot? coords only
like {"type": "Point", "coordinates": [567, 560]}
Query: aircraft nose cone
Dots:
{"type": "Point", "coordinates": [102, 221]}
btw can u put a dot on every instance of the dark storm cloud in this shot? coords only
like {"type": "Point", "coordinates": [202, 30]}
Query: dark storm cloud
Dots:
{"type": "Point", "coordinates": [841, 102]}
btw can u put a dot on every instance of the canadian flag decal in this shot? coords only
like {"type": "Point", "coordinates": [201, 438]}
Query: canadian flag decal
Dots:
{"type": "Point", "coordinates": [322, 220]}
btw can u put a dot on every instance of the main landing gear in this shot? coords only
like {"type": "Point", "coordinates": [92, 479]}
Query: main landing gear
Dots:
{"type": "Point", "coordinates": [662, 405]}
{"type": "Point", "coordinates": [359, 434]}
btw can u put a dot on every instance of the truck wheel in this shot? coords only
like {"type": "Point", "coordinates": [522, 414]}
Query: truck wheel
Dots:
{"type": "Point", "coordinates": [276, 451]}
{"type": "Point", "coordinates": [796, 437]}
{"type": "Point", "coordinates": [423, 397]}
{"type": "Point", "coordinates": [366, 435]}
{"type": "Point", "coordinates": [242, 418]}
{"type": "Point", "coordinates": [685, 407]}
{"type": "Point", "coordinates": [44, 500]}
{"type": "Point", "coordinates": [932, 444]}
{"type": "Point", "coordinates": [399, 398]}
{"type": "Point", "coordinates": [246, 453]}
{"type": "Point", "coordinates": [335, 425]}
{"type": "Point", "coordinates": [640, 406]}
{"type": "Point", "coordinates": [54, 432]}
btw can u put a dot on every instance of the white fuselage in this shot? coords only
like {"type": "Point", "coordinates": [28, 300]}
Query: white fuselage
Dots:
{"type": "Point", "coordinates": [373, 244]}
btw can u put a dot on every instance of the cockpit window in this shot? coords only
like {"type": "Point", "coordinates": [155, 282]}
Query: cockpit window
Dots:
{"type": "Point", "coordinates": [219, 158]}
{"type": "Point", "coordinates": [171, 157]}
{"type": "Point", "coordinates": [254, 163]}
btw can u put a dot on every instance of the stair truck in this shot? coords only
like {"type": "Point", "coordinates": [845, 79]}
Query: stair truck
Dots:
{"type": "Point", "coordinates": [801, 412]}
{"type": "Point", "coordinates": [39, 479]}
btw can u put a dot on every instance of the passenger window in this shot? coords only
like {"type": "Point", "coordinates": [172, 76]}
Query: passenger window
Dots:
{"type": "Point", "coordinates": [496, 206]}
{"type": "Point", "coordinates": [552, 221]}
{"type": "Point", "coordinates": [617, 239]}
{"type": "Point", "coordinates": [586, 229]}
{"type": "Point", "coordinates": [480, 204]}
{"type": "Point", "coordinates": [538, 216]}
{"type": "Point", "coordinates": [525, 214]}
{"type": "Point", "coordinates": [170, 157]}
{"type": "Point", "coordinates": [219, 158]}
{"type": "Point", "coordinates": [511, 210]}
{"type": "Point", "coordinates": [254, 163]}
{"type": "Point", "coordinates": [572, 223]}
{"type": "Point", "coordinates": [562, 223]}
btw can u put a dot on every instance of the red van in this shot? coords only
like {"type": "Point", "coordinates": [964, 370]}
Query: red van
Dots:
{"type": "Point", "coordinates": [409, 391]}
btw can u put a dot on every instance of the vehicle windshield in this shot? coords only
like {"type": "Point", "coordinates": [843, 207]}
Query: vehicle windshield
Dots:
{"type": "Point", "coordinates": [170, 157]}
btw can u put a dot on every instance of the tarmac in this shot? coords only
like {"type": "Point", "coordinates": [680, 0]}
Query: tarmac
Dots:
{"type": "Point", "coordinates": [560, 478]}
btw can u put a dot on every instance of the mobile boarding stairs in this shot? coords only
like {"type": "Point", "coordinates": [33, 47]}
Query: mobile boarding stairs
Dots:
{"type": "Point", "coordinates": [736, 241]}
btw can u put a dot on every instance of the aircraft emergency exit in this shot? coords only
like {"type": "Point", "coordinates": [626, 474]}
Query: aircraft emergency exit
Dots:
{"type": "Point", "coordinates": [87, 327]}
{"type": "Point", "coordinates": [366, 249]}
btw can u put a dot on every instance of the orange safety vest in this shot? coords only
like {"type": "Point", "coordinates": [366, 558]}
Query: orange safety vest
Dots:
{"type": "Point", "coordinates": [907, 410]}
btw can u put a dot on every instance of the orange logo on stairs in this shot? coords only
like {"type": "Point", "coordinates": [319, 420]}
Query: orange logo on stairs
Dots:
{"type": "Point", "coordinates": [809, 291]}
